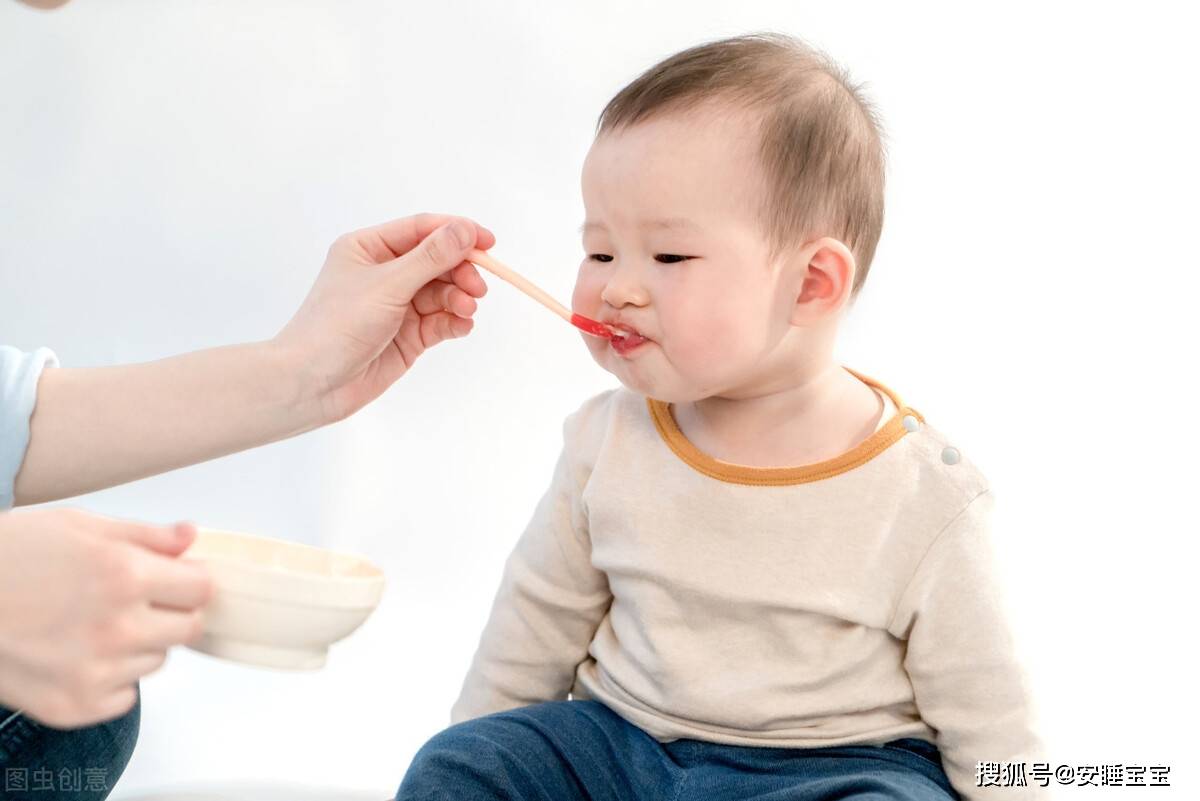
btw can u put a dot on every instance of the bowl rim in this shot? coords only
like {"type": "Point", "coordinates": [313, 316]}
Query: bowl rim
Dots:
{"type": "Point", "coordinates": [376, 573]}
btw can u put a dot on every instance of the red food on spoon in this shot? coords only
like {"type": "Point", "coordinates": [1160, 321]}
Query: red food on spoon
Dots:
{"type": "Point", "coordinates": [590, 326]}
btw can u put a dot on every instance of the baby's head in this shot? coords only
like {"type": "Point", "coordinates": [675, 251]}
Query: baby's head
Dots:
{"type": "Point", "coordinates": [734, 199]}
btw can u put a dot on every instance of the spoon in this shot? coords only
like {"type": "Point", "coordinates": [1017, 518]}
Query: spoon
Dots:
{"type": "Point", "coordinates": [585, 324]}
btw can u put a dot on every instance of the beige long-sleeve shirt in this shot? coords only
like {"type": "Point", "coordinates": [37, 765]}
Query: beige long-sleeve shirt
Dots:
{"type": "Point", "coordinates": [854, 600]}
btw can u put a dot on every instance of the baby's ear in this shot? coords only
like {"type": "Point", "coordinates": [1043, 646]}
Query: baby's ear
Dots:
{"type": "Point", "coordinates": [825, 270]}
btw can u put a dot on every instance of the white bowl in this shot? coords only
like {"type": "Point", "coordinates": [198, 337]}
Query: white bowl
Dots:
{"type": "Point", "coordinates": [280, 604]}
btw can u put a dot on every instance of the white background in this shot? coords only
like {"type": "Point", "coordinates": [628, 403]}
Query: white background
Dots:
{"type": "Point", "coordinates": [171, 174]}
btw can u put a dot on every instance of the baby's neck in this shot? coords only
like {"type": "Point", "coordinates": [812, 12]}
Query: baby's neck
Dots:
{"type": "Point", "coordinates": [822, 415]}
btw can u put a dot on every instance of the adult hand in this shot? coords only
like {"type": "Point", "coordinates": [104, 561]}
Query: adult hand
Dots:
{"type": "Point", "coordinates": [384, 296]}
{"type": "Point", "coordinates": [89, 605]}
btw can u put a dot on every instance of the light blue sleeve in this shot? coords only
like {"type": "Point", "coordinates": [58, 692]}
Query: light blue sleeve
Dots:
{"type": "Point", "coordinates": [19, 373]}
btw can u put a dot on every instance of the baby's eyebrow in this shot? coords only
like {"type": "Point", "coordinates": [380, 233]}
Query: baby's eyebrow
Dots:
{"type": "Point", "coordinates": [665, 222]}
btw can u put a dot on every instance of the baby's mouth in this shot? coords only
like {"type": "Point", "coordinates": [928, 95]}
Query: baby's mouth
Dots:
{"type": "Point", "coordinates": [625, 338]}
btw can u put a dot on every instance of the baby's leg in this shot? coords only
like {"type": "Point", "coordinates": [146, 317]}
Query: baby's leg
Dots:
{"type": "Point", "coordinates": [554, 751]}
{"type": "Point", "coordinates": [902, 770]}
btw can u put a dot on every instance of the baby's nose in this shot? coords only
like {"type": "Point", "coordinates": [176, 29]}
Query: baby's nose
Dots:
{"type": "Point", "coordinates": [624, 288]}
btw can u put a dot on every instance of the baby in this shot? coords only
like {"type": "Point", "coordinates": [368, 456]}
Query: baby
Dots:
{"type": "Point", "coordinates": [756, 573]}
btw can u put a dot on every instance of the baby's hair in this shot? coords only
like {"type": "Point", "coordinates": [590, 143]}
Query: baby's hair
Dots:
{"type": "Point", "coordinates": [821, 141]}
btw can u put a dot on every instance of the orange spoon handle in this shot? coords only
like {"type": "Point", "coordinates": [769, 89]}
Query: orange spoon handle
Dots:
{"type": "Point", "coordinates": [522, 283]}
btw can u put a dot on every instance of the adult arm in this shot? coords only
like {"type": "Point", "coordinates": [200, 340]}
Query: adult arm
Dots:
{"type": "Point", "coordinates": [384, 295]}
{"type": "Point", "coordinates": [19, 373]}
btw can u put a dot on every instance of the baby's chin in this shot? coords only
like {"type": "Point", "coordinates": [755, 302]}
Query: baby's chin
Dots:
{"type": "Point", "coordinates": [632, 379]}
{"type": "Point", "coordinates": [644, 382]}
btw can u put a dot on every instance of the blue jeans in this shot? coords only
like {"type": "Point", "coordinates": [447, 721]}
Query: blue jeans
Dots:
{"type": "Point", "coordinates": [566, 750]}
{"type": "Point", "coordinates": [40, 762]}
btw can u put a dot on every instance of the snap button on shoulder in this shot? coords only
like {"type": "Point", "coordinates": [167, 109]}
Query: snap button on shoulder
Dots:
{"type": "Point", "coordinates": [950, 455]}
{"type": "Point", "coordinates": [910, 422]}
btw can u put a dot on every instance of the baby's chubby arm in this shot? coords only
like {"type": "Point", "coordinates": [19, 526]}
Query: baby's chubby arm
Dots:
{"type": "Point", "coordinates": [967, 681]}
{"type": "Point", "coordinates": [550, 601]}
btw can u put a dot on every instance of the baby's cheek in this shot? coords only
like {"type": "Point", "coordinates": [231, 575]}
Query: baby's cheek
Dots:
{"type": "Point", "coordinates": [711, 344]}
{"type": "Point", "coordinates": [700, 348]}
{"type": "Point", "coordinates": [597, 348]}
{"type": "Point", "coordinates": [585, 298]}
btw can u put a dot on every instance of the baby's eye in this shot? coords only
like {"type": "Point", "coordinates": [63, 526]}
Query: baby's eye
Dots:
{"type": "Point", "coordinates": [664, 258]}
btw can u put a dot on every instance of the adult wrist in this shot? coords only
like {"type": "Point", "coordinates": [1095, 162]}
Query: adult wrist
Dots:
{"type": "Point", "coordinates": [301, 394]}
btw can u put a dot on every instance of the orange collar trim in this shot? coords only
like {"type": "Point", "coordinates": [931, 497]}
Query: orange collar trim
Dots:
{"type": "Point", "coordinates": [891, 431]}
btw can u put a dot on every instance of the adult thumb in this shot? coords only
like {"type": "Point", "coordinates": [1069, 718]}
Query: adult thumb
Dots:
{"type": "Point", "coordinates": [166, 540]}
{"type": "Point", "coordinates": [440, 252]}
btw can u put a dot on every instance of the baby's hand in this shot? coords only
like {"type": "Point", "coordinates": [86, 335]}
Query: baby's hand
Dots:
{"type": "Point", "coordinates": [384, 296]}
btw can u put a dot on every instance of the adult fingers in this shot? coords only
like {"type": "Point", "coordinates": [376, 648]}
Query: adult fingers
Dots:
{"type": "Point", "coordinates": [440, 252]}
{"type": "Point", "coordinates": [175, 583]}
{"type": "Point", "coordinates": [134, 667]}
{"type": "Point", "coordinates": [158, 628]}
{"type": "Point", "coordinates": [154, 629]}
{"type": "Point", "coordinates": [402, 235]}
{"type": "Point", "coordinates": [166, 540]}
{"type": "Point", "coordinates": [441, 326]}
{"type": "Point", "coordinates": [466, 277]}
{"type": "Point", "coordinates": [439, 296]}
